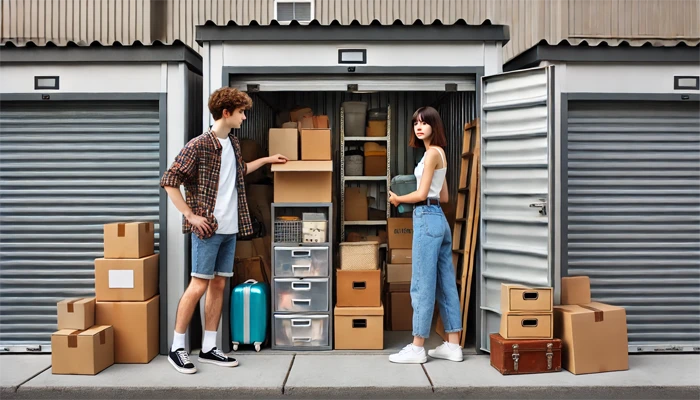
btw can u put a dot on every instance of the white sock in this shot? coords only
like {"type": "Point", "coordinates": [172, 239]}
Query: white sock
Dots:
{"type": "Point", "coordinates": [416, 348]}
{"type": "Point", "coordinates": [209, 341]}
{"type": "Point", "coordinates": [452, 346]}
{"type": "Point", "coordinates": [178, 341]}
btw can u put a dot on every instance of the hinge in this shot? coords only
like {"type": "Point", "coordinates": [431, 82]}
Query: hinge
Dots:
{"type": "Point", "coordinates": [516, 357]}
{"type": "Point", "coordinates": [253, 87]}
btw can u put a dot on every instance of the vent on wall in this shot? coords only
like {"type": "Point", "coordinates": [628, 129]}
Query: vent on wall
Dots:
{"type": "Point", "coordinates": [287, 11]}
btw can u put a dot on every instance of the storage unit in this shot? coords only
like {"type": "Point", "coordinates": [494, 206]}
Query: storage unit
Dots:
{"type": "Point", "coordinates": [606, 185]}
{"type": "Point", "coordinates": [87, 132]}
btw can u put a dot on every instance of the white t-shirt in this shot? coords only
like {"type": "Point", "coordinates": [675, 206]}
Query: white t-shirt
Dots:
{"type": "Point", "coordinates": [226, 209]}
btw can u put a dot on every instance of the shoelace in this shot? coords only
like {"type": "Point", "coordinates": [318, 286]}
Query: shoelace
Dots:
{"type": "Point", "coordinates": [219, 354]}
{"type": "Point", "coordinates": [184, 357]}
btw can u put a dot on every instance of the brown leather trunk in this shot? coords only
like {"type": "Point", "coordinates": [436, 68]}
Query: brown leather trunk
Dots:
{"type": "Point", "coordinates": [525, 356]}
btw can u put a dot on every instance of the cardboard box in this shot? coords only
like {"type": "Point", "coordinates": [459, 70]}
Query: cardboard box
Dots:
{"type": "Point", "coordinates": [400, 309]}
{"type": "Point", "coordinates": [575, 290]}
{"type": "Point", "coordinates": [306, 122]}
{"type": "Point", "coordinates": [128, 240]}
{"type": "Point", "coordinates": [76, 313]}
{"type": "Point", "coordinates": [359, 288]}
{"type": "Point", "coordinates": [519, 298]}
{"type": "Point", "coordinates": [401, 256]}
{"type": "Point", "coordinates": [316, 144]}
{"type": "Point", "coordinates": [136, 328]}
{"type": "Point", "coordinates": [76, 352]}
{"type": "Point", "coordinates": [259, 203]}
{"type": "Point", "coordinates": [356, 204]}
{"type": "Point", "coordinates": [398, 273]}
{"type": "Point", "coordinates": [298, 113]}
{"type": "Point", "coordinates": [375, 159]}
{"type": "Point", "coordinates": [126, 280]}
{"type": "Point", "coordinates": [359, 328]}
{"type": "Point", "coordinates": [303, 182]}
{"type": "Point", "coordinates": [321, 121]}
{"type": "Point", "coordinates": [527, 325]}
{"type": "Point", "coordinates": [594, 337]}
{"type": "Point", "coordinates": [284, 141]}
{"type": "Point", "coordinates": [400, 233]}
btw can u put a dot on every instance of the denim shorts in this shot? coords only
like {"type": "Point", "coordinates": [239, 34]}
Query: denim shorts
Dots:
{"type": "Point", "coordinates": [213, 256]}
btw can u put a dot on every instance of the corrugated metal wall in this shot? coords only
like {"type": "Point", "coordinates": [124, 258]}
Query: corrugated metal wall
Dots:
{"type": "Point", "coordinates": [634, 214]}
{"type": "Point", "coordinates": [530, 21]}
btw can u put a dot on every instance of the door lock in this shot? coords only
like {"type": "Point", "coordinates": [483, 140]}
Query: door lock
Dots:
{"type": "Point", "coordinates": [542, 205]}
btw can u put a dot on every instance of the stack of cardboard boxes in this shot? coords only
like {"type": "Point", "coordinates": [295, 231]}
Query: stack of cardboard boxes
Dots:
{"type": "Point", "coordinates": [359, 313]}
{"type": "Point", "coordinates": [126, 289]}
{"type": "Point", "coordinates": [526, 313]}
{"type": "Point", "coordinates": [398, 274]}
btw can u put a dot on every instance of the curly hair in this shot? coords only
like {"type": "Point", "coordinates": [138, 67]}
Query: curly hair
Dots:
{"type": "Point", "coordinates": [228, 98]}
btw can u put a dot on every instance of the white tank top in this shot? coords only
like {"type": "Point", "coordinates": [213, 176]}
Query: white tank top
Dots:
{"type": "Point", "coordinates": [438, 175]}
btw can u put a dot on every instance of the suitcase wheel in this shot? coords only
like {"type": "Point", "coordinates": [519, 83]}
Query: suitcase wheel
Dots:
{"type": "Point", "coordinates": [257, 347]}
{"type": "Point", "coordinates": [235, 346]}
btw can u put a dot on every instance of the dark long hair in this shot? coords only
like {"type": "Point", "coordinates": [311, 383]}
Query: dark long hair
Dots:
{"type": "Point", "coordinates": [430, 116]}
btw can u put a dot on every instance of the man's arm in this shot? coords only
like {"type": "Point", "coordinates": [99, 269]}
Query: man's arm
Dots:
{"type": "Point", "coordinates": [256, 164]}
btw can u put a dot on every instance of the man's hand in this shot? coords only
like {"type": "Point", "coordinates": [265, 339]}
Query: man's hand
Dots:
{"type": "Point", "coordinates": [277, 159]}
{"type": "Point", "coordinates": [394, 199]}
{"type": "Point", "coordinates": [200, 224]}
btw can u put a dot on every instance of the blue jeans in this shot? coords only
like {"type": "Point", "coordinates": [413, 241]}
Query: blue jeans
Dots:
{"type": "Point", "coordinates": [213, 256]}
{"type": "Point", "coordinates": [433, 276]}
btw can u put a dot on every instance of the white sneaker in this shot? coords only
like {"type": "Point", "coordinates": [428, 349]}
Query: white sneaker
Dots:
{"type": "Point", "coordinates": [446, 353]}
{"type": "Point", "coordinates": [408, 355]}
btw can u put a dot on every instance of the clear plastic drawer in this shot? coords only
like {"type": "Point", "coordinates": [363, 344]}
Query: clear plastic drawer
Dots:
{"type": "Point", "coordinates": [301, 261]}
{"type": "Point", "coordinates": [301, 295]}
{"type": "Point", "coordinates": [301, 330]}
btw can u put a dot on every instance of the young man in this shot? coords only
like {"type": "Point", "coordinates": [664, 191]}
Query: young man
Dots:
{"type": "Point", "coordinates": [215, 211]}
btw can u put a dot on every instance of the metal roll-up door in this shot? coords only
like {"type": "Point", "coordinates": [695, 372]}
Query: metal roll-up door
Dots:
{"type": "Point", "coordinates": [633, 215]}
{"type": "Point", "coordinates": [67, 168]}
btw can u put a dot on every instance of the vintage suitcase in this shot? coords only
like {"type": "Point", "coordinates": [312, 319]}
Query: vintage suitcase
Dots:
{"type": "Point", "coordinates": [525, 356]}
{"type": "Point", "coordinates": [249, 314]}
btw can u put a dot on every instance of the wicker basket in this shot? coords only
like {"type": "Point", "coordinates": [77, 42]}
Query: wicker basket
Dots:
{"type": "Point", "coordinates": [357, 256]}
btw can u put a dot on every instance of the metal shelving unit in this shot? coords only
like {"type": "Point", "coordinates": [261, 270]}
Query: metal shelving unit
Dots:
{"type": "Point", "coordinates": [367, 179]}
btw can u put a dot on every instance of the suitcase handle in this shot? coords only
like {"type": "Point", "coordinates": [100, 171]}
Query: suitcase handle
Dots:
{"type": "Point", "coordinates": [301, 339]}
{"type": "Point", "coordinates": [307, 266]}
{"type": "Point", "coordinates": [301, 322]}
{"type": "Point", "coordinates": [307, 301]}
{"type": "Point", "coordinates": [301, 253]}
{"type": "Point", "coordinates": [250, 281]}
{"type": "Point", "coordinates": [301, 286]}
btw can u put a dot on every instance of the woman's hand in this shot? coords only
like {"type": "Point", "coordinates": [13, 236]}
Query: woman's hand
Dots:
{"type": "Point", "coordinates": [277, 159]}
{"type": "Point", "coordinates": [394, 199]}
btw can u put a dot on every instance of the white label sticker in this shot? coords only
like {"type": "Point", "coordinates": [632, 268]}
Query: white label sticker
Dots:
{"type": "Point", "coordinates": [121, 279]}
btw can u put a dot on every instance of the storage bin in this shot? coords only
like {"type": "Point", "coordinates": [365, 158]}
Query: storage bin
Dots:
{"type": "Point", "coordinates": [377, 122]}
{"type": "Point", "coordinates": [359, 328]}
{"type": "Point", "coordinates": [375, 159]}
{"type": "Point", "coordinates": [355, 117]}
{"type": "Point", "coordinates": [301, 261]}
{"type": "Point", "coordinates": [354, 163]}
{"type": "Point", "coordinates": [288, 230]}
{"type": "Point", "coordinates": [378, 114]}
{"type": "Point", "coordinates": [356, 256]}
{"type": "Point", "coordinates": [301, 330]}
{"type": "Point", "coordinates": [402, 185]}
{"type": "Point", "coordinates": [301, 295]}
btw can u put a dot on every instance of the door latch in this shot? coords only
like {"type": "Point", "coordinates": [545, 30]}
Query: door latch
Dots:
{"type": "Point", "coordinates": [516, 357]}
{"type": "Point", "coordinates": [542, 205]}
{"type": "Point", "coordinates": [549, 356]}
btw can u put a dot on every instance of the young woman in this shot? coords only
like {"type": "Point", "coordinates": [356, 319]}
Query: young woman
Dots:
{"type": "Point", "coordinates": [433, 275]}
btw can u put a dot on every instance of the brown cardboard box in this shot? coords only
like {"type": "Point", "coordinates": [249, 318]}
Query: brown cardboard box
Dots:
{"type": "Point", "coordinates": [356, 204]}
{"type": "Point", "coordinates": [359, 328]}
{"type": "Point", "coordinates": [126, 280]}
{"type": "Point", "coordinates": [594, 337]}
{"type": "Point", "coordinates": [359, 288]}
{"type": "Point", "coordinates": [398, 273]}
{"type": "Point", "coordinates": [76, 313]}
{"type": "Point", "coordinates": [375, 159]}
{"type": "Point", "coordinates": [299, 112]}
{"type": "Point", "coordinates": [245, 249]}
{"type": "Point", "coordinates": [316, 144]}
{"type": "Point", "coordinates": [259, 203]}
{"type": "Point", "coordinates": [401, 256]}
{"type": "Point", "coordinates": [400, 231]}
{"type": "Point", "coordinates": [136, 328]}
{"type": "Point", "coordinates": [284, 141]}
{"type": "Point", "coordinates": [128, 240]}
{"type": "Point", "coordinates": [306, 122]}
{"type": "Point", "coordinates": [303, 182]}
{"type": "Point", "coordinates": [575, 290]}
{"type": "Point", "coordinates": [251, 268]}
{"type": "Point", "coordinates": [75, 352]}
{"type": "Point", "coordinates": [527, 325]}
{"type": "Point", "coordinates": [321, 121]}
{"type": "Point", "coordinates": [519, 298]}
{"type": "Point", "coordinates": [400, 308]}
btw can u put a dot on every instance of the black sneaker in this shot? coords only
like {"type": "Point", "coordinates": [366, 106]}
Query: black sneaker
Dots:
{"type": "Point", "coordinates": [216, 357]}
{"type": "Point", "coordinates": [181, 361]}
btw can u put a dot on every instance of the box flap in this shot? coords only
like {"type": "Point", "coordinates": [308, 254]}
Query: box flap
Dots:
{"type": "Point", "coordinates": [94, 330]}
{"type": "Point", "coordinates": [359, 310]}
{"type": "Point", "coordinates": [587, 308]}
{"type": "Point", "coordinates": [303, 166]}
{"type": "Point", "coordinates": [67, 332]}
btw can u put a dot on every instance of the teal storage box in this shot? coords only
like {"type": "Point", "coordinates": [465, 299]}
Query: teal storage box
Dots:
{"type": "Point", "coordinates": [250, 314]}
{"type": "Point", "coordinates": [401, 185]}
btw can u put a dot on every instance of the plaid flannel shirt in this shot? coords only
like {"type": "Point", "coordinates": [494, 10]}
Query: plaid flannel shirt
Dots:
{"type": "Point", "coordinates": [197, 168]}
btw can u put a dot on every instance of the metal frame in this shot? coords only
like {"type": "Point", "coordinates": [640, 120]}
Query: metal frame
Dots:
{"type": "Point", "coordinates": [342, 51]}
{"type": "Point", "coordinates": [677, 86]}
{"type": "Point", "coordinates": [39, 87]}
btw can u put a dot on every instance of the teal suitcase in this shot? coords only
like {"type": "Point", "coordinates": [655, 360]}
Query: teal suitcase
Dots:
{"type": "Point", "coordinates": [401, 185]}
{"type": "Point", "coordinates": [249, 314]}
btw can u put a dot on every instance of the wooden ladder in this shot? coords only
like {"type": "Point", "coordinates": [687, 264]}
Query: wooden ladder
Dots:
{"type": "Point", "coordinates": [467, 221]}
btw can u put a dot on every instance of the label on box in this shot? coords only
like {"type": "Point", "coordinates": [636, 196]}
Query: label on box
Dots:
{"type": "Point", "coordinates": [121, 279]}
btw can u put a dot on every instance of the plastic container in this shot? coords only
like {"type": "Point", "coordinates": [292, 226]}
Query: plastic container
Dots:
{"type": "Point", "coordinates": [354, 163]}
{"type": "Point", "coordinates": [401, 185]}
{"type": "Point", "coordinates": [355, 118]}
{"type": "Point", "coordinates": [378, 114]}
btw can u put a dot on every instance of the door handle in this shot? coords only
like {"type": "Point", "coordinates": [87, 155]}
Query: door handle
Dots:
{"type": "Point", "coordinates": [542, 205]}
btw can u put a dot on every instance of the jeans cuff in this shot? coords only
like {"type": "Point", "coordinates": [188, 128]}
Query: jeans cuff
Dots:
{"type": "Point", "coordinates": [453, 330]}
{"type": "Point", "coordinates": [224, 274]}
{"type": "Point", "coordinates": [202, 276]}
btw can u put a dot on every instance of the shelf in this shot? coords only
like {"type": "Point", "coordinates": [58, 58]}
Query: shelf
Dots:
{"type": "Point", "coordinates": [365, 223]}
{"type": "Point", "coordinates": [365, 178]}
{"type": "Point", "coordinates": [296, 244]}
{"type": "Point", "coordinates": [365, 139]}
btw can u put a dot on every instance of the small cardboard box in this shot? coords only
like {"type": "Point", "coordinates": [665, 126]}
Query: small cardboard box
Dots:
{"type": "Point", "coordinates": [136, 328]}
{"type": "Point", "coordinates": [284, 141]}
{"type": "Point", "coordinates": [298, 113]}
{"type": "Point", "coordinates": [126, 280]}
{"type": "Point", "coordinates": [519, 298]}
{"type": "Point", "coordinates": [316, 144]}
{"type": "Point", "coordinates": [594, 337]}
{"type": "Point", "coordinates": [321, 121]}
{"type": "Point", "coordinates": [575, 290]}
{"type": "Point", "coordinates": [400, 232]}
{"type": "Point", "coordinates": [400, 309]}
{"type": "Point", "coordinates": [359, 328]}
{"type": "Point", "coordinates": [527, 325]}
{"type": "Point", "coordinates": [359, 288]}
{"type": "Point", "coordinates": [76, 313]}
{"type": "Point", "coordinates": [398, 273]}
{"type": "Point", "coordinates": [303, 182]}
{"type": "Point", "coordinates": [375, 159]}
{"type": "Point", "coordinates": [75, 352]}
{"type": "Point", "coordinates": [356, 204]}
{"type": "Point", "coordinates": [401, 256]}
{"type": "Point", "coordinates": [128, 240]}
